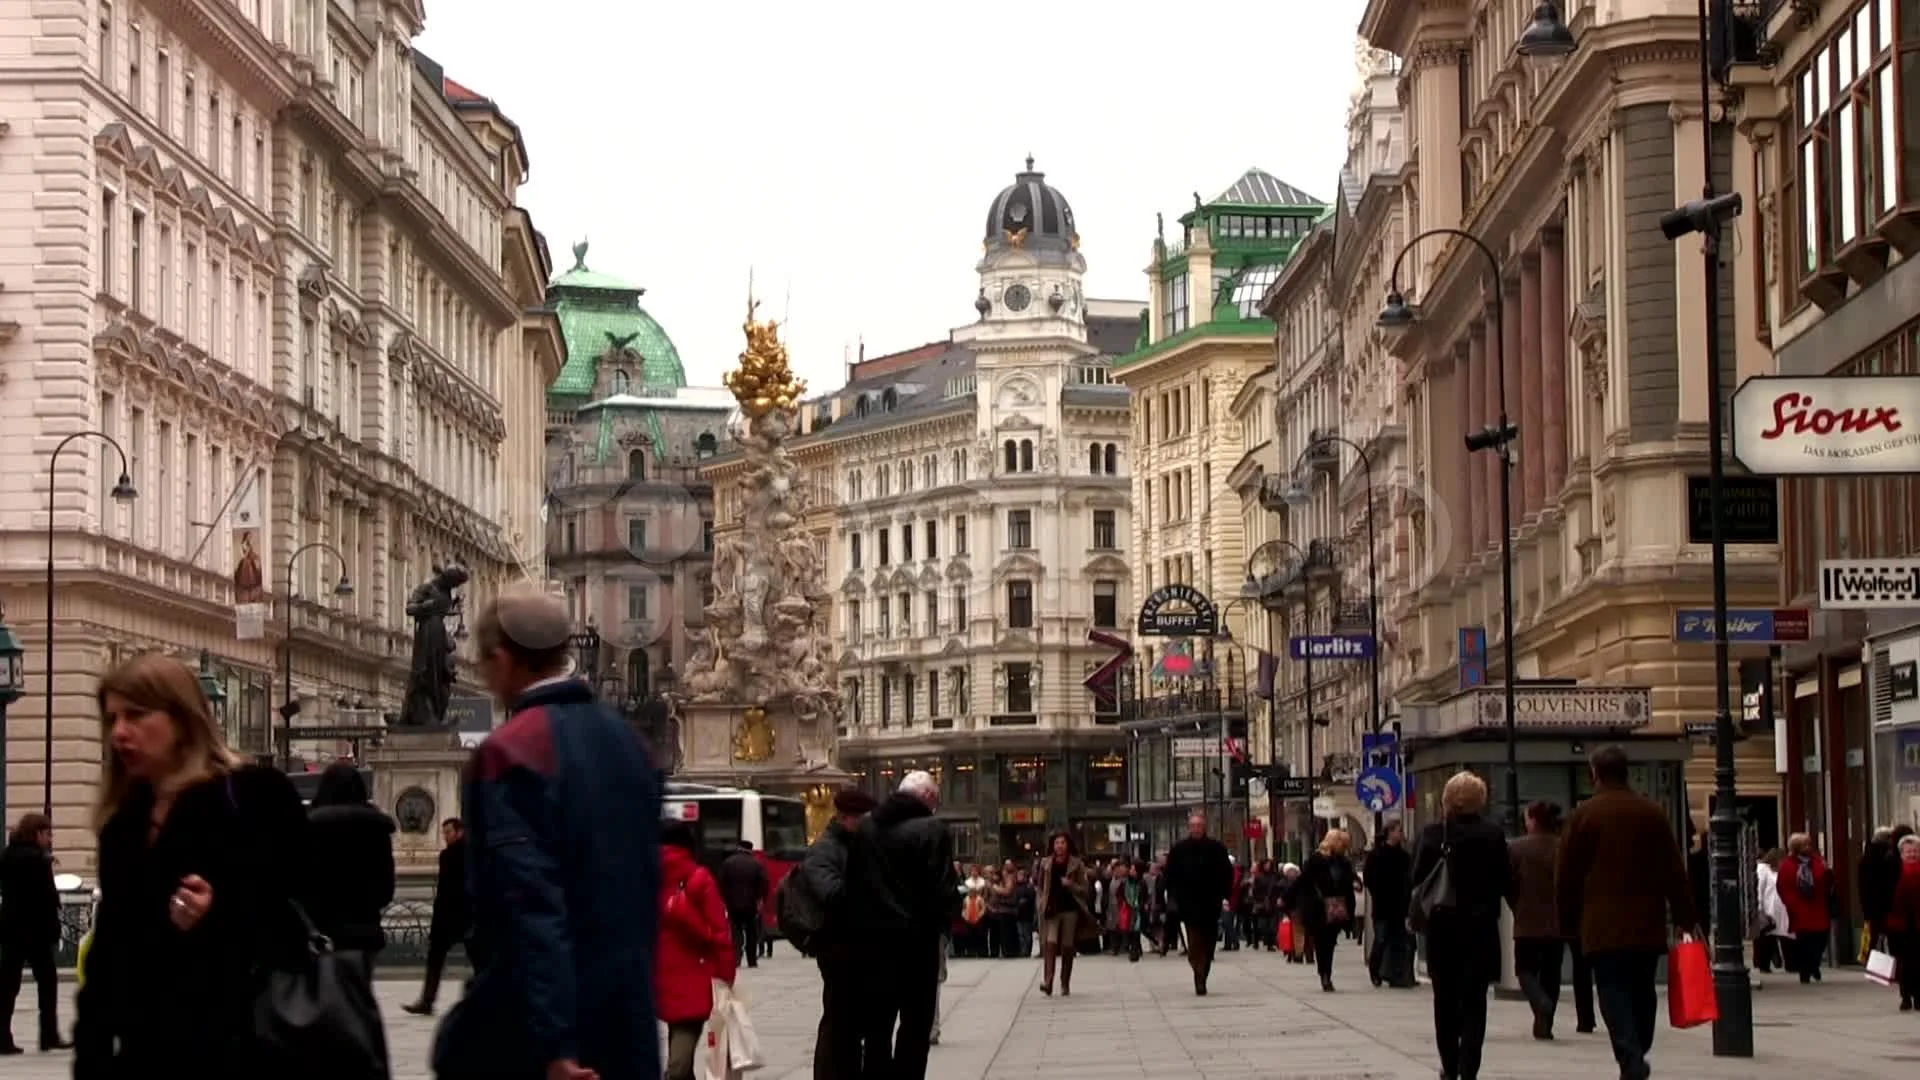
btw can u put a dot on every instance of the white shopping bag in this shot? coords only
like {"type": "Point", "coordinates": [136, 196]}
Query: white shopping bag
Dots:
{"type": "Point", "coordinates": [716, 1055]}
{"type": "Point", "coordinates": [1881, 967]}
{"type": "Point", "coordinates": [743, 1043]}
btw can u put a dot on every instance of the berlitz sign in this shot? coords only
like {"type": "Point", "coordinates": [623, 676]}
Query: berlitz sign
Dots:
{"type": "Point", "coordinates": [1784, 426]}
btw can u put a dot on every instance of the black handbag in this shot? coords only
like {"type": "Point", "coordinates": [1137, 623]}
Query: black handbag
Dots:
{"type": "Point", "coordinates": [315, 1016]}
{"type": "Point", "coordinates": [1434, 893]}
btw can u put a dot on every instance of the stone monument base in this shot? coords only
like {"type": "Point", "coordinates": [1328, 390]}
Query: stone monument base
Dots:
{"type": "Point", "coordinates": [768, 750]}
{"type": "Point", "coordinates": [416, 780]}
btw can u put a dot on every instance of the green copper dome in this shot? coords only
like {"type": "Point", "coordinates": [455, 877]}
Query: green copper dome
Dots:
{"type": "Point", "coordinates": [599, 314]}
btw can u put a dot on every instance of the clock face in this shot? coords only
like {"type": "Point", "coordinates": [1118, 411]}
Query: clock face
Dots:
{"type": "Point", "coordinates": [1017, 298]}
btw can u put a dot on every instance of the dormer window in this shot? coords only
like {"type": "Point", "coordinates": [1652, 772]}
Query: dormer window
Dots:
{"type": "Point", "coordinates": [636, 464]}
{"type": "Point", "coordinates": [860, 406]}
{"type": "Point", "coordinates": [706, 445]}
{"type": "Point", "coordinates": [621, 380]}
{"type": "Point", "coordinates": [888, 400]}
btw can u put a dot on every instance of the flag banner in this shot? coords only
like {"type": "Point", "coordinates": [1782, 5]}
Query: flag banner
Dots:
{"type": "Point", "coordinates": [244, 521]}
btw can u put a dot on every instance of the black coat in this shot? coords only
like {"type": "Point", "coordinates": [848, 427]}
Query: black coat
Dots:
{"type": "Point", "coordinates": [156, 996]}
{"type": "Point", "coordinates": [1389, 882]}
{"type": "Point", "coordinates": [1877, 876]}
{"type": "Point", "coordinates": [743, 883]}
{"type": "Point", "coordinates": [1463, 943]}
{"type": "Point", "coordinates": [451, 912]}
{"type": "Point", "coordinates": [912, 882]}
{"type": "Point", "coordinates": [350, 873]}
{"type": "Point", "coordinates": [1323, 878]}
{"type": "Point", "coordinates": [29, 904]}
{"type": "Point", "coordinates": [1199, 876]}
{"type": "Point", "coordinates": [831, 871]}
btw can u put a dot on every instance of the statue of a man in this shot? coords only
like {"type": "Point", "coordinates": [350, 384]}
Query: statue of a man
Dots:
{"type": "Point", "coordinates": [430, 679]}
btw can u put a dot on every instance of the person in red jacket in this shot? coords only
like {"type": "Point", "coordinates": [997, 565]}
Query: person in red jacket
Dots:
{"type": "Point", "coordinates": [696, 947]}
{"type": "Point", "coordinates": [1903, 924]}
{"type": "Point", "coordinates": [1806, 888]}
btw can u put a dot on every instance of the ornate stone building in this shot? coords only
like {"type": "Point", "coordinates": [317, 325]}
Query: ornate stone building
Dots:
{"type": "Point", "coordinates": [630, 528]}
{"type": "Point", "coordinates": [1203, 339]}
{"type": "Point", "coordinates": [287, 278]}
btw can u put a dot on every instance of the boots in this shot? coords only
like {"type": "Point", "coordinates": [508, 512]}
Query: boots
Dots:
{"type": "Point", "coordinates": [1066, 975]}
{"type": "Point", "coordinates": [1046, 970]}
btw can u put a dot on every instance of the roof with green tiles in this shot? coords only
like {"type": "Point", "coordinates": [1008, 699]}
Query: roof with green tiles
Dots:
{"type": "Point", "coordinates": [599, 314]}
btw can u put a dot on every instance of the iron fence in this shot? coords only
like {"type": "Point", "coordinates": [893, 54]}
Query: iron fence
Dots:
{"type": "Point", "coordinates": [408, 925]}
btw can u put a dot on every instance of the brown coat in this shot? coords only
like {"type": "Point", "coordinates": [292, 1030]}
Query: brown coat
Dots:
{"type": "Point", "coordinates": [1620, 873]}
{"type": "Point", "coordinates": [1079, 881]}
{"type": "Point", "coordinates": [1530, 889]}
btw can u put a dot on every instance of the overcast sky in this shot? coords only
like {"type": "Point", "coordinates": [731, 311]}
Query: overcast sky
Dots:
{"type": "Point", "coordinates": [846, 151]}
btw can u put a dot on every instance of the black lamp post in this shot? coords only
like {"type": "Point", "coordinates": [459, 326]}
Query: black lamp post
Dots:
{"type": "Point", "coordinates": [290, 707]}
{"type": "Point", "coordinates": [1497, 438]}
{"type": "Point", "coordinates": [123, 491]}
{"type": "Point", "coordinates": [1546, 38]}
{"type": "Point", "coordinates": [1373, 581]}
{"type": "Point", "coordinates": [210, 685]}
{"type": "Point", "coordinates": [13, 683]}
{"type": "Point", "coordinates": [1309, 768]}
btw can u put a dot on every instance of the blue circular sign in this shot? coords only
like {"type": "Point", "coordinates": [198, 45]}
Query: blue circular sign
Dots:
{"type": "Point", "coordinates": [1378, 790]}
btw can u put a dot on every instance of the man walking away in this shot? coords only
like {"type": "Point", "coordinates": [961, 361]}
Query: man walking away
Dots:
{"type": "Point", "coordinates": [449, 926]}
{"type": "Point", "coordinates": [850, 1044]}
{"type": "Point", "coordinates": [743, 885]}
{"type": "Point", "coordinates": [1538, 949]}
{"type": "Point", "coordinates": [563, 811]}
{"type": "Point", "coordinates": [1389, 887]}
{"type": "Point", "coordinates": [915, 897]}
{"type": "Point", "coordinates": [1620, 873]}
{"type": "Point", "coordinates": [1199, 879]}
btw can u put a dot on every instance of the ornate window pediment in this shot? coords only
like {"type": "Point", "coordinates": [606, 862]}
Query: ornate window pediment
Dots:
{"type": "Point", "coordinates": [958, 569]}
{"type": "Point", "coordinates": [1106, 565]}
{"type": "Point", "coordinates": [954, 647]}
{"type": "Point", "coordinates": [1020, 564]}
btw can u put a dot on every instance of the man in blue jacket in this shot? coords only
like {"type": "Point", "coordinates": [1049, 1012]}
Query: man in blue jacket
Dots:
{"type": "Point", "coordinates": [562, 811]}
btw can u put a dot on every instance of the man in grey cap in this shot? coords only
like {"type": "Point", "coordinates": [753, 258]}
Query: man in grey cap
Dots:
{"type": "Point", "coordinates": [563, 810]}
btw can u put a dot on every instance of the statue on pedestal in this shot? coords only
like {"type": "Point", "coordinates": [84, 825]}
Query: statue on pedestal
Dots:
{"type": "Point", "coordinates": [431, 675]}
{"type": "Point", "coordinates": [765, 642]}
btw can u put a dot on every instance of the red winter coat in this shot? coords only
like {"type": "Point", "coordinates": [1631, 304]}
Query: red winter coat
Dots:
{"type": "Point", "coordinates": [696, 941]}
{"type": "Point", "coordinates": [1904, 916]}
{"type": "Point", "coordinates": [1806, 913]}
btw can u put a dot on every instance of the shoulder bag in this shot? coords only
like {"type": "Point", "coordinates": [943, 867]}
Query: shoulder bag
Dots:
{"type": "Point", "coordinates": [1434, 892]}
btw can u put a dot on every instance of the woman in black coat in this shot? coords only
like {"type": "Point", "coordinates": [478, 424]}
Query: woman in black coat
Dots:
{"type": "Point", "coordinates": [1324, 898]}
{"type": "Point", "coordinates": [29, 928]}
{"type": "Point", "coordinates": [1463, 936]}
{"type": "Point", "coordinates": [350, 861]}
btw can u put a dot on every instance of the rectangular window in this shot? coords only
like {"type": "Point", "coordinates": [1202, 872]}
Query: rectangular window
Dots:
{"type": "Point", "coordinates": [1019, 529]}
{"type": "Point", "coordinates": [108, 207]}
{"type": "Point", "coordinates": [110, 427]}
{"type": "Point", "coordinates": [189, 114]}
{"type": "Point", "coordinates": [636, 603]}
{"type": "Point", "coordinates": [190, 477]}
{"type": "Point", "coordinates": [905, 602]}
{"type": "Point", "coordinates": [213, 129]}
{"type": "Point", "coordinates": [164, 278]}
{"type": "Point", "coordinates": [636, 535]}
{"type": "Point", "coordinates": [933, 539]}
{"type": "Point", "coordinates": [163, 91]}
{"type": "Point", "coordinates": [163, 489]}
{"type": "Point", "coordinates": [933, 693]}
{"type": "Point", "coordinates": [1106, 604]}
{"type": "Point", "coordinates": [1105, 537]}
{"type": "Point", "coordinates": [259, 166]}
{"type": "Point", "coordinates": [853, 619]}
{"type": "Point", "coordinates": [886, 700]}
{"type": "Point", "coordinates": [137, 469]}
{"type": "Point", "coordinates": [906, 542]}
{"type": "Point", "coordinates": [907, 697]}
{"type": "Point", "coordinates": [238, 148]}
{"type": "Point", "coordinates": [134, 48]}
{"type": "Point", "coordinates": [136, 265]}
{"type": "Point", "coordinates": [706, 536]}
{"type": "Point", "coordinates": [1020, 605]}
{"type": "Point", "coordinates": [1020, 688]}
{"type": "Point", "coordinates": [216, 317]}
{"type": "Point", "coordinates": [1176, 318]}
{"type": "Point", "coordinates": [957, 610]}
{"type": "Point", "coordinates": [884, 612]}
{"type": "Point", "coordinates": [960, 534]}
{"type": "Point", "coordinates": [105, 44]}
{"type": "Point", "coordinates": [933, 612]}
{"type": "Point", "coordinates": [853, 550]}
{"type": "Point", "coordinates": [190, 294]}
{"type": "Point", "coordinates": [886, 546]}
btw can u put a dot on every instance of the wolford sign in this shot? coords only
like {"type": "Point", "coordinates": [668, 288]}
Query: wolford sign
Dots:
{"type": "Point", "coordinates": [1784, 426]}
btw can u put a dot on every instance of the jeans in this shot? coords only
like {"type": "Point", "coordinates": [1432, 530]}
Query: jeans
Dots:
{"type": "Point", "coordinates": [1459, 1021]}
{"type": "Point", "coordinates": [1629, 1004]}
{"type": "Point", "coordinates": [14, 958]}
{"type": "Point", "coordinates": [683, 1042]}
{"type": "Point", "coordinates": [1023, 938]}
{"type": "Point", "coordinates": [1230, 926]}
{"type": "Point", "coordinates": [1536, 963]}
{"type": "Point", "coordinates": [746, 936]}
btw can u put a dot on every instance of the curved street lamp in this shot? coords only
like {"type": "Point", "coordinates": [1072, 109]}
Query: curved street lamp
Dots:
{"type": "Point", "coordinates": [289, 708]}
{"type": "Point", "coordinates": [1546, 39]}
{"type": "Point", "coordinates": [123, 491]}
{"type": "Point", "coordinates": [1498, 438]}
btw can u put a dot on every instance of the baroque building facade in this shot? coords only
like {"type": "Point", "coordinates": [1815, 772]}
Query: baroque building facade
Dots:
{"type": "Point", "coordinates": [630, 522]}
{"type": "Point", "coordinates": [1563, 173]}
{"type": "Point", "coordinates": [977, 488]}
{"type": "Point", "coordinates": [288, 282]}
{"type": "Point", "coordinates": [1203, 339]}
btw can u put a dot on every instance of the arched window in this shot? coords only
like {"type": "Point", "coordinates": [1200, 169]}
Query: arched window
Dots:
{"type": "Point", "coordinates": [883, 481]}
{"type": "Point", "coordinates": [860, 406]}
{"type": "Point", "coordinates": [636, 464]}
{"type": "Point", "coordinates": [887, 399]}
{"type": "Point", "coordinates": [639, 673]}
{"type": "Point", "coordinates": [706, 445]}
{"type": "Point", "coordinates": [853, 486]}
{"type": "Point", "coordinates": [566, 470]}
{"type": "Point", "coordinates": [1113, 459]}
{"type": "Point", "coordinates": [1013, 456]}
{"type": "Point", "coordinates": [1026, 455]}
{"type": "Point", "coordinates": [1093, 458]}
{"type": "Point", "coordinates": [620, 382]}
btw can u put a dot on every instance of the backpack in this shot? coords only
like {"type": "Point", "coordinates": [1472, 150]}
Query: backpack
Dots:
{"type": "Point", "coordinates": [798, 912]}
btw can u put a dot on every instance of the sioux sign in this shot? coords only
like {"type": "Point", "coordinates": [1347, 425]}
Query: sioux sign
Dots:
{"type": "Point", "coordinates": [1179, 611]}
{"type": "Point", "coordinates": [1785, 426]}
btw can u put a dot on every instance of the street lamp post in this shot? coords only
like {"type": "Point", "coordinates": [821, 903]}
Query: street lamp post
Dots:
{"type": "Point", "coordinates": [1306, 659]}
{"type": "Point", "coordinates": [289, 707]}
{"type": "Point", "coordinates": [1496, 438]}
{"type": "Point", "coordinates": [1373, 583]}
{"type": "Point", "coordinates": [13, 683]}
{"type": "Point", "coordinates": [123, 491]}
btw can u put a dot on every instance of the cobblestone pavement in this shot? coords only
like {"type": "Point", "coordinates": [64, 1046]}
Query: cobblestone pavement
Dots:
{"type": "Point", "coordinates": [1264, 1019]}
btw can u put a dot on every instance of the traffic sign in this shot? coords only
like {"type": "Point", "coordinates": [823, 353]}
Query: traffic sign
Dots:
{"type": "Point", "coordinates": [1379, 750]}
{"type": "Point", "coordinates": [1102, 684]}
{"type": "Point", "coordinates": [1325, 807]}
{"type": "Point", "coordinates": [1378, 789]}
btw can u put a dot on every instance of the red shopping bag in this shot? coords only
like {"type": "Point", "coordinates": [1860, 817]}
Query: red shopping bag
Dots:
{"type": "Point", "coordinates": [1690, 1000]}
{"type": "Point", "coordinates": [1286, 936]}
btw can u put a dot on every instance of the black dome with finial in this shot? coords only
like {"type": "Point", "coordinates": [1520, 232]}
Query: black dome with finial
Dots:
{"type": "Point", "coordinates": [1030, 214]}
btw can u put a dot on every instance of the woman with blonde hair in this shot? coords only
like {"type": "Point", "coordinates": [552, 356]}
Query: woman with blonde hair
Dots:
{"type": "Point", "coordinates": [198, 854]}
{"type": "Point", "coordinates": [1324, 898]}
{"type": "Point", "coordinates": [1462, 920]}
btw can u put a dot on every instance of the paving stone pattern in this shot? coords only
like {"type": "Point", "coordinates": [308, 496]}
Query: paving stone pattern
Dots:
{"type": "Point", "coordinates": [1264, 1019]}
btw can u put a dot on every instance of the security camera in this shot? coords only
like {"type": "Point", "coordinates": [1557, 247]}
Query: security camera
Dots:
{"type": "Point", "coordinates": [1699, 215]}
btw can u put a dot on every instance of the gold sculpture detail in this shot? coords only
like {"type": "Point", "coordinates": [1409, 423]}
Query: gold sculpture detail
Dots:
{"type": "Point", "coordinates": [763, 382]}
{"type": "Point", "coordinates": [1016, 238]}
{"type": "Point", "coordinates": [753, 739]}
{"type": "Point", "coordinates": [819, 806]}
